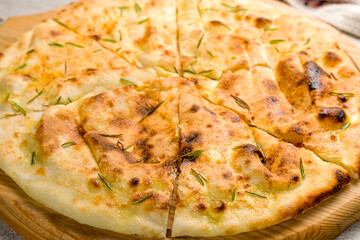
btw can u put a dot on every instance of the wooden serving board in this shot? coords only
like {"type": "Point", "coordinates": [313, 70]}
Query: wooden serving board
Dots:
{"type": "Point", "coordinates": [34, 221]}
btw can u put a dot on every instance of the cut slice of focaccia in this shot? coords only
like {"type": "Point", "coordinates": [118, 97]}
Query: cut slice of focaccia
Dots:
{"type": "Point", "coordinates": [52, 65]}
{"type": "Point", "coordinates": [107, 161]}
{"type": "Point", "coordinates": [235, 179]}
{"type": "Point", "coordinates": [143, 32]}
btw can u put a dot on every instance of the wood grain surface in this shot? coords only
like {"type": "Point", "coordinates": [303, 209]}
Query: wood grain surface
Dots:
{"type": "Point", "coordinates": [34, 221]}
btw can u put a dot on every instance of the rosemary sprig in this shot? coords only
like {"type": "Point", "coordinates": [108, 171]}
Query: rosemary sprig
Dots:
{"type": "Point", "coordinates": [105, 181]}
{"type": "Point", "coordinates": [343, 127]}
{"type": "Point", "coordinates": [20, 67]}
{"type": "Point", "coordinates": [192, 155]}
{"type": "Point", "coordinates": [307, 41]}
{"type": "Point", "coordinates": [276, 41]}
{"type": "Point", "coordinates": [151, 111]}
{"type": "Point", "coordinates": [30, 51]}
{"type": "Point", "coordinates": [142, 199]}
{"type": "Point", "coordinates": [241, 102]}
{"type": "Point", "coordinates": [343, 94]}
{"type": "Point", "coordinates": [137, 8]}
{"type": "Point", "coordinates": [109, 40]}
{"type": "Point", "coordinates": [255, 194]}
{"type": "Point", "coordinates": [33, 160]}
{"type": "Point", "coordinates": [111, 135]}
{"type": "Point", "coordinates": [143, 21]}
{"type": "Point", "coordinates": [74, 45]}
{"type": "Point", "coordinates": [55, 44]}
{"type": "Point", "coordinates": [233, 195]}
{"type": "Point", "coordinates": [123, 80]}
{"type": "Point", "coordinates": [302, 169]}
{"type": "Point", "coordinates": [200, 41]}
{"type": "Point", "coordinates": [18, 107]}
{"type": "Point", "coordinates": [270, 29]}
{"type": "Point", "coordinates": [198, 177]}
{"type": "Point", "coordinates": [37, 95]}
{"type": "Point", "coordinates": [68, 144]}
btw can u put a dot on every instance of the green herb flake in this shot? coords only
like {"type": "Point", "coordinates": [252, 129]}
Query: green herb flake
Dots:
{"type": "Point", "coordinates": [55, 44]}
{"type": "Point", "coordinates": [176, 70]}
{"type": "Point", "coordinates": [234, 8]}
{"type": "Point", "coordinates": [225, 26]}
{"type": "Point", "coordinates": [58, 101]}
{"type": "Point", "coordinates": [109, 40]}
{"type": "Point", "coordinates": [151, 111]}
{"type": "Point", "coordinates": [192, 155]}
{"type": "Point", "coordinates": [233, 196]}
{"type": "Point", "coordinates": [142, 159]}
{"type": "Point", "coordinates": [120, 36]}
{"type": "Point", "coordinates": [30, 51]}
{"type": "Point", "coordinates": [20, 67]}
{"type": "Point", "coordinates": [198, 177]}
{"type": "Point", "coordinates": [200, 41]}
{"type": "Point", "coordinates": [97, 50]}
{"type": "Point", "coordinates": [143, 21]}
{"type": "Point", "coordinates": [122, 8]}
{"type": "Point", "coordinates": [152, 162]}
{"type": "Point", "coordinates": [270, 29]}
{"type": "Point", "coordinates": [123, 80]}
{"type": "Point", "coordinates": [69, 100]}
{"type": "Point", "coordinates": [18, 107]}
{"type": "Point", "coordinates": [7, 97]}
{"type": "Point", "coordinates": [68, 144]}
{"type": "Point", "coordinates": [276, 41]}
{"type": "Point", "coordinates": [346, 95]}
{"type": "Point", "coordinates": [33, 160]}
{"type": "Point", "coordinates": [302, 169]}
{"type": "Point", "coordinates": [307, 41]}
{"type": "Point", "coordinates": [344, 127]}
{"type": "Point", "coordinates": [143, 199]}
{"type": "Point", "coordinates": [255, 194]}
{"type": "Point", "coordinates": [61, 24]}
{"type": "Point", "coordinates": [36, 96]}
{"type": "Point", "coordinates": [333, 76]}
{"type": "Point", "coordinates": [74, 45]}
{"type": "Point", "coordinates": [137, 8]}
{"type": "Point", "coordinates": [121, 146]}
{"type": "Point", "coordinates": [105, 181]}
{"type": "Point", "coordinates": [205, 71]}
{"type": "Point", "coordinates": [241, 102]}
{"type": "Point", "coordinates": [189, 71]}
{"type": "Point", "coordinates": [111, 135]}
{"type": "Point", "coordinates": [70, 79]}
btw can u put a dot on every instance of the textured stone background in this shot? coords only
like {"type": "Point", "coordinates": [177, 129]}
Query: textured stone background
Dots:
{"type": "Point", "coordinates": [10, 8]}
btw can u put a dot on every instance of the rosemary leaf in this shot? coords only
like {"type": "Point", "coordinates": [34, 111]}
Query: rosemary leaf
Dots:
{"type": "Point", "coordinates": [137, 8]}
{"type": "Point", "coordinates": [233, 195]}
{"type": "Point", "coordinates": [69, 100]}
{"type": "Point", "coordinates": [344, 127]}
{"type": "Point", "coordinates": [18, 107]}
{"type": "Point", "coordinates": [189, 71]}
{"type": "Point", "coordinates": [333, 76]}
{"type": "Point", "coordinates": [225, 26]}
{"type": "Point", "coordinates": [111, 135]}
{"type": "Point", "coordinates": [109, 40]}
{"type": "Point", "coordinates": [142, 159]}
{"type": "Point", "coordinates": [152, 162]}
{"type": "Point", "coordinates": [7, 97]}
{"type": "Point", "coordinates": [20, 67]}
{"type": "Point", "coordinates": [302, 169]}
{"type": "Point", "coordinates": [58, 101]}
{"type": "Point", "coordinates": [97, 50]}
{"type": "Point", "coordinates": [343, 94]}
{"type": "Point", "coordinates": [142, 199]}
{"type": "Point", "coordinates": [151, 111]}
{"type": "Point", "coordinates": [105, 181]}
{"type": "Point", "coordinates": [70, 79]}
{"type": "Point", "coordinates": [307, 41]}
{"type": "Point", "coordinates": [198, 177]}
{"type": "Point", "coordinates": [74, 45]}
{"type": "Point", "coordinates": [255, 194]}
{"type": "Point", "coordinates": [276, 41]}
{"type": "Point", "coordinates": [55, 44]}
{"type": "Point", "coordinates": [61, 24]}
{"type": "Point", "coordinates": [261, 150]}
{"type": "Point", "coordinates": [143, 21]}
{"type": "Point", "coordinates": [68, 144]}
{"type": "Point", "coordinates": [270, 29]}
{"type": "Point", "coordinates": [65, 68]}
{"type": "Point", "coordinates": [121, 146]}
{"type": "Point", "coordinates": [210, 54]}
{"type": "Point", "coordinates": [176, 70]}
{"type": "Point", "coordinates": [123, 80]}
{"type": "Point", "coordinates": [241, 102]}
{"type": "Point", "coordinates": [122, 8]}
{"type": "Point", "coordinates": [31, 78]}
{"type": "Point", "coordinates": [205, 71]}
{"type": "Point", "coordinates": [199, 43]}
{"type": "Point", "coordinates": [33, 160]}
{"type": "Point", "coordinates": [192, 155]}
{"type": "Point", "coordinates": [30, 51]}
{"type": "Point", "coordinates": [203, 177]}
{"type": "Point", "coordinates": [37, 95]}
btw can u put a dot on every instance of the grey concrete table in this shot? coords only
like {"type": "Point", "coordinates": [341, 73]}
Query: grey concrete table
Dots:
{"type": "Point", "coordinates": [10, 8]}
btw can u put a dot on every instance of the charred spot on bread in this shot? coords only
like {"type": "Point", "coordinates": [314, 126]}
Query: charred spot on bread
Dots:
{"type": "Point", "coordinates": [333, 114]}
{"type": "Point", "coordinates": [193, 136]}
{"type": "Point", "coordinates": [314, 75]}
{"type": "Point", "coordinates": [262, 22]}
{"type": "Point", "coordinates": [134, 181]}
{"type": "Point", "coordinates": [218, 206]}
